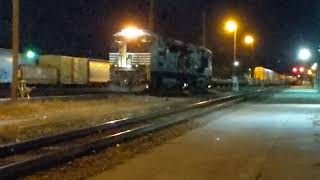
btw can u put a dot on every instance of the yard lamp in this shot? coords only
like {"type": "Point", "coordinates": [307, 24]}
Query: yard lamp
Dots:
{"type": "Point", "coordinates": [304, 54]}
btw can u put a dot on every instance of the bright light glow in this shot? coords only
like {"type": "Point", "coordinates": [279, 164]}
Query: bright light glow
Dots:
{"type": "Point", "coordinates": [248, 39]}
{"type": "Point", "coordinates": [304, 54]}
{"type": "Point", "coordinates": [314, 67]}
{"type": "Point", "coordinates": [294, 70]}
{"type": "Point", "coordinates": [301, 69]}
{"type": "Point", "coordinates": [231, 26]}
{"type": "Point", "coordinates": [236, 63]}
{"type": "Point", "coordinates": [250, 69]}
{"type": "Point", "coordinates": [31, 54]}
{"type": "Point", "coordinates": [132, 32]}
{"type": "Point", "coordinates": [310, 72]}
{"type": "Point", "coordinates": [299, 76]}
{"type": "Point", "coordinates": [185, 85]}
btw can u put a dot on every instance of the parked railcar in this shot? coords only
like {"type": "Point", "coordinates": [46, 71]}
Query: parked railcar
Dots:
{"type": "Point", "coordinates": [77, 71]}
{"type": "Point", "coordinates": [99, 71]}
{"type": "Point", "coordinates": [6, 64]}
{"type": "Point", "coordinates": [37, 75]}
{"type": "Point", "coordinates": [264, 76]}
{"type": "Point", "coordinates": [72, 71]}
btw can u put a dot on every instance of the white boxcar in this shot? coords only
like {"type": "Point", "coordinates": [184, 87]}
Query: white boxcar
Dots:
{"type": "Point", "coordinates": [38, 75]}
{"type": "Point", "coordinates": [6, 64]}
{"type": "Point", "coordinates": [99, 71]}
{"type": "Point", "coordinates": [71, 70]}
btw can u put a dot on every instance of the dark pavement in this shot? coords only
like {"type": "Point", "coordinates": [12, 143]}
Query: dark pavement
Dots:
{"type": "Point", "coordinates": [274, 137]}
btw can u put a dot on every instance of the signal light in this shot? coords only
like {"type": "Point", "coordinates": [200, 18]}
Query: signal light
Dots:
{"type": "Point", "coordinates": [301, 69]}
{"type": "Point", "coordinates": [295, 70]}
{"type": "Point", "coordinates": [30, 54]}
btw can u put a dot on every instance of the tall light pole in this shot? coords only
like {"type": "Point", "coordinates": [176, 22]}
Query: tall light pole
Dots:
{"type": "Point", "coordinates": [231, 26]}
{"type": "Point", "coordinates": [304, 54]}
{"type": "Point", "coordinates": [249, 40]}
{"type": "Point", "coordinates": [15, 47]}
{"type": "Point", "coordinates": [151, 15]}
{"type": "Point", "coordinates": [204, 28]}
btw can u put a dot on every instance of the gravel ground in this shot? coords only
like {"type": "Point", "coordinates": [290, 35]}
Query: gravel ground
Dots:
{"type": "Point", "coordinates": [98, 162]}
{"type": "Point", "coordinates": [26, 120]}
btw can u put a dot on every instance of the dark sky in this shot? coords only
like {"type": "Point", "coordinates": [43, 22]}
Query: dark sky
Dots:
{"type": "Point", "coordinates": [85, 27]}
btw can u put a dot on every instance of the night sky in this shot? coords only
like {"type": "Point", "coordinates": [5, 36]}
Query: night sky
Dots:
{"type": "Point", "coordinates": [85, 27]}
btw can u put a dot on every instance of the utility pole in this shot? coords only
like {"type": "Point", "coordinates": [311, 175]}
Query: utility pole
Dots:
{"type": "Point", "coordinates": [152, 15]}
{"type": "Point", "coordinates": [204, 28]}
{"type": "Point", "coordinates": [15, 48]}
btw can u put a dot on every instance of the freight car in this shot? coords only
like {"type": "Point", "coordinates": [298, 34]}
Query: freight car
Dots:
{"type": "Point", "coordinates": [166, 65]}
{"type": "Point", "coordinates": [6, 65]}
{"type": "Point", "coordinates": [54, 70]}
{"type": "Point", "coordinates": [75, 71]}
{"type": "Point", "coordinates": [263, 76]}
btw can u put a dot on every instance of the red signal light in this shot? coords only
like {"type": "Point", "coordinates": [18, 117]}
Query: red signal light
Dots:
{"type": "Point", "coordinates": [295, 70]}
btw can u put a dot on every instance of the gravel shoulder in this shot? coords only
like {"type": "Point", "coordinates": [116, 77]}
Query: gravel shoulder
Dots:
{"type": "Point", "coordinates": [31, 119]}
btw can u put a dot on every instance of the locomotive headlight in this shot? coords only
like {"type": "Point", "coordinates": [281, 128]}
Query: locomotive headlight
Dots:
{"type": "Point", "coordinates": [137, 65]}
{"type": "Point", "coordinates": [147, 86]}
{"type": "Point", "coordinates": [209, 86]}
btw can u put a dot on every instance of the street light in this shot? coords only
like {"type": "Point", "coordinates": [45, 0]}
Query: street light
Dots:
{"type": "Point", "coordinates": [236, 63]}
{"type": "Point", "coordinates": [232, 27]}
{"type": "Point", "coordinates": [314, 67]}
{"type": "Point", "coordinates": [249, 40]}
{"type": "Point", "coordinates": [304, 54]}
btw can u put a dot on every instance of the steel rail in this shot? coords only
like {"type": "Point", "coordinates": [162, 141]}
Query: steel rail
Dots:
{"type": "Point", "coordinates": [14, 148]}
{"type": "Point", "coordinates": [45, 160]}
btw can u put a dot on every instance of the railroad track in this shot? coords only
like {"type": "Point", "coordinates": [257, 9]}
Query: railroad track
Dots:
{"type": "Point", "coordinates": [29, 156]}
